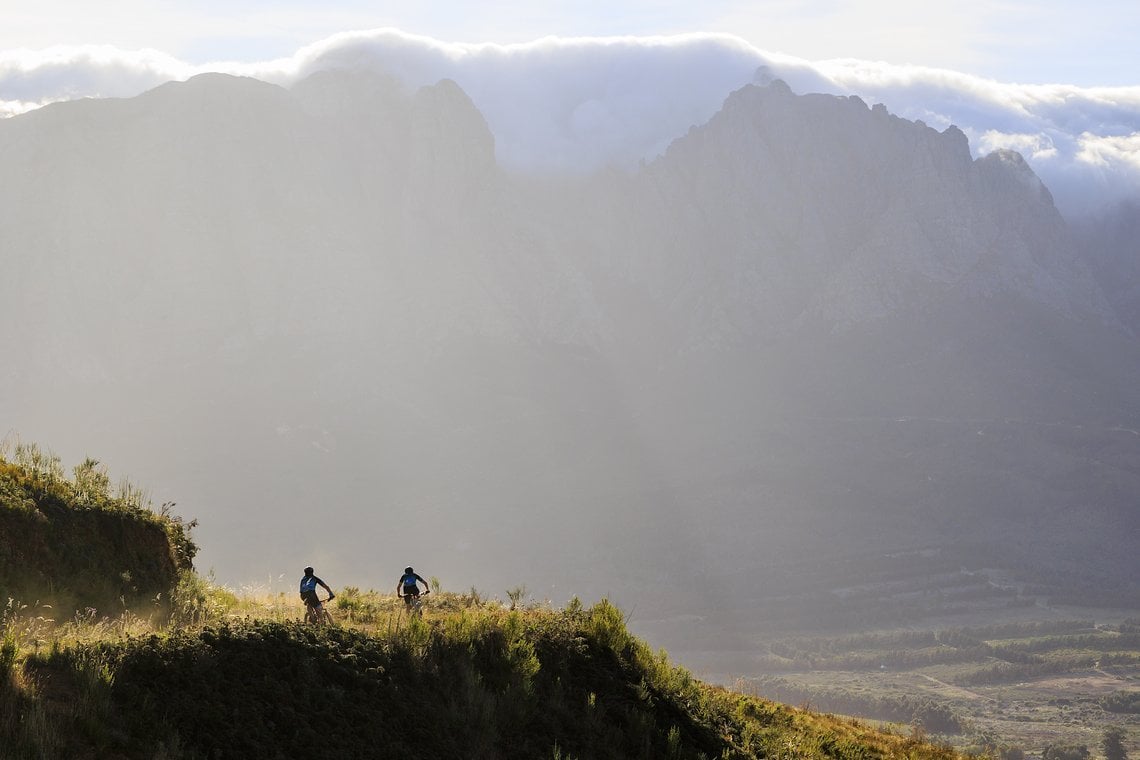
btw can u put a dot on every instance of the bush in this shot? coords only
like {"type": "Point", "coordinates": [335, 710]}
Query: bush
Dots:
{"type": "Point", "coordinates": [1122, 702]}
{"type": "Point", "coordinates": [1065, 752]}
{"type": "Point", "coordinates": [78, 544]}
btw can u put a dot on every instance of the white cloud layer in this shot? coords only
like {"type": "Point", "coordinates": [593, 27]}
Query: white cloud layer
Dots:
{"type": "Point", "coordinates": [573, 104]}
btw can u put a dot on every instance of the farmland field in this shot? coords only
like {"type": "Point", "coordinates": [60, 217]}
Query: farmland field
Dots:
{"type": "Point", "coordinates": [1021, 684]}
{"type": "Point", "coordinates": [969, 653]}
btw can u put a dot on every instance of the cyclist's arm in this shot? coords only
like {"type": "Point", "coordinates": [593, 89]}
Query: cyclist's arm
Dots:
{"type": "Point", "coordinates": [399, 590]}
{"type": "Point", "coordinates": [427, 588]}
{"type": "Point", "coordinates": [325, 585]}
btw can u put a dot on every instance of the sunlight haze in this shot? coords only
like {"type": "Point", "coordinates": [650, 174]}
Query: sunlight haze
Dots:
{"type": "Point", "coordinates": [803, 338]}
{"type": "Point", "coordinates": [718, 309]}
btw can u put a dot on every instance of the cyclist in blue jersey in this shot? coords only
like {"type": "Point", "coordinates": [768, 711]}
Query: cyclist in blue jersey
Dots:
{"type": "Point", "coordinates": [309, 583]}
{"type": "Point", "coordinates": [407, 586]}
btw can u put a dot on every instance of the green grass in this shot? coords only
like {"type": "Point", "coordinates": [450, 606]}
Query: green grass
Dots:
{"type": "Point", "coordinates": [472, 679]}
{"type": "Point", "coordinates": [112, 646]}
{"type": "Point", "coordinates": [77, 542]}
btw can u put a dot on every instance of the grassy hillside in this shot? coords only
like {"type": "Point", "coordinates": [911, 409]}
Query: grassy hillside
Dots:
{"type": "Point", "coordinates": [471, 680]}
{"type": "Point", "coordinates": [78, 543]}
{"type": "Point", "coordinates": [217, 676]}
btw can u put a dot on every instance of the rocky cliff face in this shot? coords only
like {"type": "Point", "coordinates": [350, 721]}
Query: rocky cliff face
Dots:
{"type": "Point", "coordinates": [1111, 245]}
{"type": "Point", "coordinates": [341, 273]}
{"type": "Point", "coordinates": [214, 197]}
{"type": "Point", "coordinates": [819, 209]}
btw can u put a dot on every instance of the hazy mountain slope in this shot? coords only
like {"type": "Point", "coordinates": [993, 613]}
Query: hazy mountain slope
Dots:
{"type": "Point", "coordinates": [795, 209]}
{"type": "Point", "coordinates": [326, 320]}
{"type": "Point", "coordinates": [857, 330]}
{"type": "Point", "coordinates": [1111, 244]}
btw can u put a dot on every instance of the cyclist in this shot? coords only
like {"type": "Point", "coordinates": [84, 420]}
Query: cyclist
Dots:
{"type": "Point", "coordinates": [407, 586]}
{"type": "Point", "coordinates": [309, 583]}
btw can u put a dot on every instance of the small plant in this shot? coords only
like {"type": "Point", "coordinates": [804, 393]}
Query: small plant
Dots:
{"type": "Point", "coordinates": [197, 600]}
{"type": "Point", "coordinates": [517, 595]}
{"type": "Point", "coordinates": [9, 651]}
{"type": "Point", "coordinates": [673, 742]}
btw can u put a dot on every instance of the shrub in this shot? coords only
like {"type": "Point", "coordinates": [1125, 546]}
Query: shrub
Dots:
{"type": "Point", "coordinates": [76, 543]}
{"type": "Point", "coordinates": [1122, 702]}
{"type": "Point", "coordinates": [1065, 752]}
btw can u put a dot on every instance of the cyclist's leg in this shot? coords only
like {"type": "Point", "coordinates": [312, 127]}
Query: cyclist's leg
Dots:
{"type": "Point", "coordinates": [310, 600]}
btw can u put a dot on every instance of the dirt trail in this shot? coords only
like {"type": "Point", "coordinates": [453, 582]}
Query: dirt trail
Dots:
{"type": "Point", "coordinates": [956, 691]}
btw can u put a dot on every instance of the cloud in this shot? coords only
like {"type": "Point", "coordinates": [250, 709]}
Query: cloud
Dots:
{"type": "Point", "coordinates": [61, 73]}
{"type": "Point", "coordinates": [1110, 151]}
{"type": "Point", "coordinates": [1032, 147]}
{"type": "Point", "coordinates": [564, 104]}
{"type": "Point", "coordinates": [559, 104]}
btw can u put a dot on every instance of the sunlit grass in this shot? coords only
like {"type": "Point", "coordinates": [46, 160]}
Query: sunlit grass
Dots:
{"type": "Point", "coordinates": [167, 660]}
{"type": "Point", "coordinates": [504, 660]}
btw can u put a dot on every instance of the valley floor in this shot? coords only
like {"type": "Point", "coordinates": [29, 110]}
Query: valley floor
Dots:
{"type": "Point", "coordinates": [1023, 683]}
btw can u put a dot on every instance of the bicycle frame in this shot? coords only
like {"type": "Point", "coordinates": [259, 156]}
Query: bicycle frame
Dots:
{"type": "Point", "coordinates": [416, 605]}
{"type": "Point", "coordinates": [317, 614]}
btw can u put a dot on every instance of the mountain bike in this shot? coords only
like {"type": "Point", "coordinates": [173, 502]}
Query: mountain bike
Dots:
{"type": "Point", "coordinates": [415, 607]}
{"type": "Point", "coordinates": [317, 614]}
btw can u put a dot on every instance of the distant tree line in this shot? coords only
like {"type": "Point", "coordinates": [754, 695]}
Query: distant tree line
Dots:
{"type": "Point", "coordinates": [899, 659]}
{"type": "Point", "coordinates": [915, 649]}
{"type": "Point", "coordinates": [895, 708]}
{"type": "Point", "coordinates": [1099, 642]}
{"type": "Point", "coordinates": [793, 648]}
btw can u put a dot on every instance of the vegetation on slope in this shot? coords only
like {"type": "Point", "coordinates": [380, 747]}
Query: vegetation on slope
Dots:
{"type": "Point", "coordinates": [476, 680]}
{"type": "Point", "coordinates": [219, 676]}
{"type": "Point", "coordinates": [78, 543]}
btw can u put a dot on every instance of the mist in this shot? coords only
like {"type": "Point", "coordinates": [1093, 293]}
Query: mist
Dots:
{"type": "Point", "coordinates": [351, 322]}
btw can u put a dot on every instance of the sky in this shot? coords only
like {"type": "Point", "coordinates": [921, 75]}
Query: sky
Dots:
{"type": "Point", "coordinates": [591, 83]}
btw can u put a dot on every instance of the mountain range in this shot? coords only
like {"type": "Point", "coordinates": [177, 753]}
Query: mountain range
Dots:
{"type": "Point", "coordinates": [329, 324]}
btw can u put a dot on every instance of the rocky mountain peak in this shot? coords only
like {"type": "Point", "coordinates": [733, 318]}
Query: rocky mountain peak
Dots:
{"type": "Point", "coordinates": [845, 214]}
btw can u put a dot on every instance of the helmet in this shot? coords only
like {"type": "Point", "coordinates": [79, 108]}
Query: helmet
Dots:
{"type": "Point", "coordinates": [409, 570]}
{"type": "Point", "coordinates": [308, 571]}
